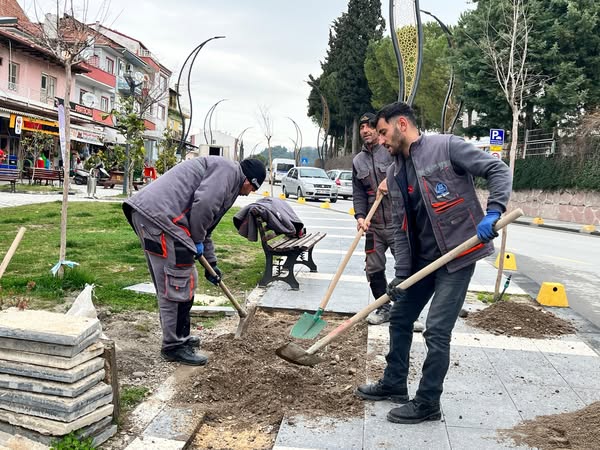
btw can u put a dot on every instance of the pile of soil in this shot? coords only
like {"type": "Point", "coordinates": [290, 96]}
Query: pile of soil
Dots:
{"type": "Point", "coordinates": [575, 430]}
{"type": "Point", "coordinates": [519, 319]}
{"type": "Point", "coordinates": [247, 388]}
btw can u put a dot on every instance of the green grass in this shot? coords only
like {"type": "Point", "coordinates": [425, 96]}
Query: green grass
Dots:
{"type": "Point", "coordinates": [130, 396]}
{"type": "Point", "coordinates": [109, 253]}
{"type": "Point", "coordinates": [56, 189]}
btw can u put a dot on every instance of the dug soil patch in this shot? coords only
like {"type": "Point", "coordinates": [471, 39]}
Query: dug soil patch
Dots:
{"type": "Point", "coordinates": [519, 319]}
{"type": "Point", "coordinates": [246, 389]}
{"type": "Point", "coordinates": [575, 430]}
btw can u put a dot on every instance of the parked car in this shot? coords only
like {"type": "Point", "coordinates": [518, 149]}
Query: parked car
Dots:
{"type": "Point", "coordinates": [280, 166]}
{"type": "Point", "coordinates": [309, 182]}
{"type": "Point", "coordinates": [343, 180]}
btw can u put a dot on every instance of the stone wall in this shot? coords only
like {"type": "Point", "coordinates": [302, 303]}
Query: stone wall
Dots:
{"type": "Point", "coordinates": [570, 206]}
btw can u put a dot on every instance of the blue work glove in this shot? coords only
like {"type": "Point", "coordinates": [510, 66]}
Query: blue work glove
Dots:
{"type": "Point", "coordinates": [199, 249]}
{"type": "Point", "coordinates": [392, 290]}
{"type": "Point", "coordinates": [214, 280]}
{"type": "Point", "coordinates": [485, 229]}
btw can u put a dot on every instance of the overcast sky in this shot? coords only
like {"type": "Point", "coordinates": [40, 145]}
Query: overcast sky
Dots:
{"type": "Point", "coordinates": [270, 48]}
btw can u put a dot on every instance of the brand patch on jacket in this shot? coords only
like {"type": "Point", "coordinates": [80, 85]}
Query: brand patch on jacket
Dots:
{"type": "Point", "coordinates": [441, 190]}
{"type": "Point", "coordinates": [411, 189]}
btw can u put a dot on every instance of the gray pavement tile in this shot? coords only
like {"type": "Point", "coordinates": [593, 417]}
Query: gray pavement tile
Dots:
{"type": "Point", "coordinates": [588, 396]}
{"type": "Point", "coordinates": [66, 351]}
{"type": "Point", "coordinates": [25, 384]}
{"type": "Point", "coordinates": [381, 434]}
{"type": "Point", "coordinates": [179, 424]}
{"type": "Point", "coordinates": [577, 370]}
{"type": "Point", "coordinates": [469, 362]}
{"type": "Point", "coordinates": [534, 400]}
{"type": "Point", "coordinates": [592, 339]}
{"type": "Point", "coordinates": [478, 402]}
{"type": "Point", "coordinates": [330, 434]}
{"type": "Point", "coordinates": [524, 367]}
{"type": "Point", "coordinates": [478, 439]}
{"type": "Point", "coordinates": [50, 373]}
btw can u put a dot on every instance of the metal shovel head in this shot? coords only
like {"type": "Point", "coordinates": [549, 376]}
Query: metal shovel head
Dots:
{"type": "Point", "coordinates": [308, 326]}
{"type": "Point", "coordinates": [295, 354]}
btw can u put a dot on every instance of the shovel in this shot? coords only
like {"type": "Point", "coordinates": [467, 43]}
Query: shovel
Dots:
{"type": "Point", "coordinates": [245, 316]}
{"type": "Point", "coordinates": [310, 325]}
{"type": "Point", "coordinates": [295, 354]}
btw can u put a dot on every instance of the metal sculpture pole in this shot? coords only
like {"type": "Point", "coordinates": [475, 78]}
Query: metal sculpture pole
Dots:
{"type": "Point", "coordinates": [208, 118]}
{"type": "Point", "coordinates": [448, 33]}
{"type": "Point", "coordinates": [237, 142]}
{"type": "Point", "coordinates": [407, 38]}
{"type": "Point", "coordinates": [298, 139]}
{"type": "Point", "coordinates": [193, 54]}
{"type": "Point", "coordinates": [325, 121]}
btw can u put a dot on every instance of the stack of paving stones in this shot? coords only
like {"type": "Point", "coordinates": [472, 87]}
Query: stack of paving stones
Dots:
{"type": "Point", "coordinates": [51, 377]}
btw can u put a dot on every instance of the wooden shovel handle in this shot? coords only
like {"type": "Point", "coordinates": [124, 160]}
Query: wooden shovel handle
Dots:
{"type": "Point", "coordinates": [241, 311]}
{"type": "Point", "coordinates": [349, 253]}
{"type": "Point", "coordinates": [435, 265]}
{"type": "Point", "coordinates": [11, 251]}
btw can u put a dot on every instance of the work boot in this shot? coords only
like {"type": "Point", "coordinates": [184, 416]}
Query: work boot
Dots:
{"type": "Point", "coordinates": [415, 412]}
{"type": "Point", "coordinates": [378, 391]}
{"type": "Point", "coordinates": [380, 315]}
{"type": "Point", "coordinates": [184, 355]}
{"type": "Point", "coordinates": [193, 341]}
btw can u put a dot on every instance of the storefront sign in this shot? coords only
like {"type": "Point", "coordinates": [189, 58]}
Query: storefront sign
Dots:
{"type": "Point", "coordinates": [18, 124]}
{"type": "Point", "coordinates": [87, 136]}
{"type": "Point", "coordinates": [31, 124]}
{"type": "Point", "coordinates": [76, 107]}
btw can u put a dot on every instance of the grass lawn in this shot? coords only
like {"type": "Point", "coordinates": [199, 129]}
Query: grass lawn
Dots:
{"type": "Point", "coordinates": [100, 239]}
{"type": "Point", "coordinates": [26, 187]}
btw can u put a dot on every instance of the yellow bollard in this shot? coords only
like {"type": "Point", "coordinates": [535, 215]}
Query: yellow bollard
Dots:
{"type": "Point", "coordinates": [282, 196]}
{"type": "Point", "coordinates": [326, 204]}
{"type": "Point", "coordinates": [510, 263]}
{"type": "Point", "coordinates": [538, 221]}
{"type": "Point", "coordinates": [266, 194]}
{"type": "Point", "coordinates": [588, 229]}
{"type": "Point", "coordinates": [301, 200]}
{"type": "Point", "coordinates": [552, 294]}
{"type": "Point", "coordinates": [351, 212]}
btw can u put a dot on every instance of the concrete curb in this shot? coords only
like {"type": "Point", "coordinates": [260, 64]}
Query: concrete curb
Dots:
{"type": "Point", "coordinates": [570, 229]}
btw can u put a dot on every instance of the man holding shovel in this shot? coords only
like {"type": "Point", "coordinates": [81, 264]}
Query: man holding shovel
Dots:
{"type": "Point", "coordinates": [368, 172]}
{"type": "Point", "coordinates": [174, 217]}
{"type": "Point", "coordinates": [435, 208]}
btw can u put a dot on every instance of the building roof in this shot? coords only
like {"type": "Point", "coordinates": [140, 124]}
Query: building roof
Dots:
{"type": "Point", "coordinates": [10, 8]}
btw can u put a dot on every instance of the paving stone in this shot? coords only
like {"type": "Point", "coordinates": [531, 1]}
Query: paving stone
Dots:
{"type": "Point", "coordinates": [540, 400]}
{"type": "Point", "coordinates": [59, 362]}
{"type": "Point", "coordinates": [154, 443]}
{"type": "Point", "coordinates": [588, 396]}
{"type": "Point", "coordinates": [51, 387]}
{"type": "Point", "coordinates": [326, 433]}
{"type": "Point", "coordinates": [53, 407]}
{"type": "Point", "coordinates": [210, 311]}
{"type": "Point", "coordinates": [13, 442]}
{"type": "Point", "coordinates": [67, 351]}
{"type": "Point", "coordinates": [180, 424]}
{"type": "Point", "coordinates": [479, 439]}
{"type": "Point", "coordinates": [50, 373]}
{"type": "Point", "coordinates": [55, 427]}
{"type": "Point", "coordinates": [104, 435]}
{"type": "Point", "coordinates": [45, 326]}
{"type": "Point", "coordinates": [578, 370]}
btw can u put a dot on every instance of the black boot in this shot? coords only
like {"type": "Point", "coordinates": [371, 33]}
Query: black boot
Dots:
{"type": "Point", "coordinates": [378, 391]}
{"type": "Point", "coordinates": [185, 355]}
{"type": "Point", "coordinates": [193, 341]}
{"type": "Point", "coordinates": [415, 412]}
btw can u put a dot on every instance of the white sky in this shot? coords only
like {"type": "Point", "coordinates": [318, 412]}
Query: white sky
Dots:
{"type": "Point", "coordinates": [270, 48]}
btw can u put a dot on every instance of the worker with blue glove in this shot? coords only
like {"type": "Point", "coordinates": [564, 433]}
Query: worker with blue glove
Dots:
{"type": "Point", "coordinates": [174, 218]}
{"type": "Point", "coordinates": [435, 209]}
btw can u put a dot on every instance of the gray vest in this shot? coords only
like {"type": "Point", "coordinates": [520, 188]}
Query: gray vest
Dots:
{"type": "Point", "coordinates": [450, 199]}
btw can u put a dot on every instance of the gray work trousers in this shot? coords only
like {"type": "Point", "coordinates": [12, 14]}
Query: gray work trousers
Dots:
{"type": "Point", "coordinates": [173, 270]}
{"type": "Point", "coordinates": [377, 241]}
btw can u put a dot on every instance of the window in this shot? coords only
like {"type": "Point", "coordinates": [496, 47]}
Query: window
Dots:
{"type": "Point", "coordinates": [82, 92]}
{"type": "Point", "coordinates": [48, 88]}
{"type": "Point", "coordinates": [104, 104]}
{"type": "Point", "coordinates": [110, 65]}
{"type": "Point", "coordinates": [13, 76]}
{"type": "Point", "coordinates": [152, 110]}
{"type": "Point", "coordinates": [162, 83]}
{"type": "Point", "coordinates": [161, 112]}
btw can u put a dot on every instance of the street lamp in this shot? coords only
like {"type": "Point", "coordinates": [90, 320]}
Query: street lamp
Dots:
{"type": "Point", "coordinates": [208, 118]}
{"type": "Point", "coordinates": [298, 138]}
{"type": "Point", "coordinates": [133, 85]}
{"type": "Point", "coordinates": [239, 141]}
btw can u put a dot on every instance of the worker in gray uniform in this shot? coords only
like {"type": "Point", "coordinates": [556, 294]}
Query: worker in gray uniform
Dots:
{"type": "Point", "coordinates": [368, 172]}
{"type": "Point", "coordinates": [174, 217]}
{"type": "Point", "coordinates": [434, 209]}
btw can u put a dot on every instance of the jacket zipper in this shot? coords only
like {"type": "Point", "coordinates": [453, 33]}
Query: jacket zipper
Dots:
{"type": "Point", "coordinates": [378, 182]}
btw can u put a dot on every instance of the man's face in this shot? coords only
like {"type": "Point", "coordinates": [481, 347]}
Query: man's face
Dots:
{"type": "Point", "coordinates": [390, 135]}
{"type": "Point", "coordinates": [246, 188]}
{"type": "Point", "coordinates": [368, 134]}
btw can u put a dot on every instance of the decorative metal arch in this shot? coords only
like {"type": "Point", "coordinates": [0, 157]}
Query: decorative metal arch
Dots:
{"type": "Point", "coordinates": [325, 121]}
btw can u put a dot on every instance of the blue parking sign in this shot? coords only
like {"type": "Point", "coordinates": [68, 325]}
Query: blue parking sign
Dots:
{"type": "Point", "coordinates": [304, 161]}
{"type": "Point", "coordinates": [496, 136]}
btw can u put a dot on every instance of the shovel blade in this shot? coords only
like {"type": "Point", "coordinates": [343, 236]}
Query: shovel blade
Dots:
{"type": "Point", "coordinates": [297, 355]}
{"type": "Point", "coordinates": [308, 326]}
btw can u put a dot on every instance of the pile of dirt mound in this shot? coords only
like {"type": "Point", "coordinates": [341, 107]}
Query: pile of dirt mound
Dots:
{"type": "Point", "coordinates": [246, 383]}
{"type": "Point", "coordinates": [519, 319]}
{"type": "Point", "coordinates": [574, 430]}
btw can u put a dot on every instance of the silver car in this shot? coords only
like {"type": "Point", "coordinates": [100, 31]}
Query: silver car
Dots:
{"type": "Point", "coordinates": [309, 182]}
{"type": "Point", "coordinates": [343, 180]}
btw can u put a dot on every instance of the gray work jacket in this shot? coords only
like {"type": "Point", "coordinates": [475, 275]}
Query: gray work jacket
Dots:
{"type": "Point", "coordinates": [445, 166]}
{"type": "Point", "coordinates": [188, 201]}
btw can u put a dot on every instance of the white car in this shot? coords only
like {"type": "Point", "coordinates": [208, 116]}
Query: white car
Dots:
{"type": "Point", "coordinates": [310, 183]}
{"type": "Point", "coordinates": [343, 180]}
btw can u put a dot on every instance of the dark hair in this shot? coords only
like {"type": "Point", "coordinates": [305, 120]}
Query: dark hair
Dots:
{"type": "Point", "coordinates": [394, 110]}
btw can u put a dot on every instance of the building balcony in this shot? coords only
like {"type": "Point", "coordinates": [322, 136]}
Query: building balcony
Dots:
{"type": "Point", "coordinates": [36, 97]}
{"type": "Point", "coordinates": [123, 87]}
{"type": "Point", "coordinates": [99, 75]}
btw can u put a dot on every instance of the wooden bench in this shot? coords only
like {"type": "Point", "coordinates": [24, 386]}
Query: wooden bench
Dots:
{"type": "Point", "coordinates": [117, 177]}
{"type": "Point", "coordinates": [295, 250]}
{"type": "Point", "coordinates": [49, 175]}
{"type": "Point", "coordinates": [10, 175]}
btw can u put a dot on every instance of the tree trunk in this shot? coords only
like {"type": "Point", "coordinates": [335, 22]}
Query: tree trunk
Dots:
{"type": "Point", "coordinates": [62, 252]}
{"type": "Point", "coordinates": [355, 137]}
{"type": "Point", "coordinates": [345, 139]}
{"type": "Point", "coordinates": [272, 177]}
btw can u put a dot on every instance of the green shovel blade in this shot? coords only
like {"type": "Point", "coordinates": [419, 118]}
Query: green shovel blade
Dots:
{"type": "Point", "coordinates": [308, 326]}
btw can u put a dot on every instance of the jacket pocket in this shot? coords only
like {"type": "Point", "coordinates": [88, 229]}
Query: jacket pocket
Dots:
{"type": "Point", "coordinates": [440, 192]}
{"type": "Point", "coordinates": [369, 242]}
{"type": "Point", "coordinates": [456, 228]}
{"type": "Point", "coordinates": [154, 241]}
{"type": "Point", "coordinates": [179, 284]}
{"type": "Point", "coordinates": [183, 255]}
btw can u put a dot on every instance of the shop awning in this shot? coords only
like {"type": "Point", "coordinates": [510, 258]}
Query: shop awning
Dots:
{"type": "Point", "coordinates": [112, 136]}
{"type": "Point", "coordinates": [87, 135]}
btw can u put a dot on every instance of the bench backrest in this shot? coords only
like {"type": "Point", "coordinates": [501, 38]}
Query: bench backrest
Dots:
{"type": "Point", "coordinates": [47, 173]}
{"type": "Point", "coordinates": [9, 173]}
